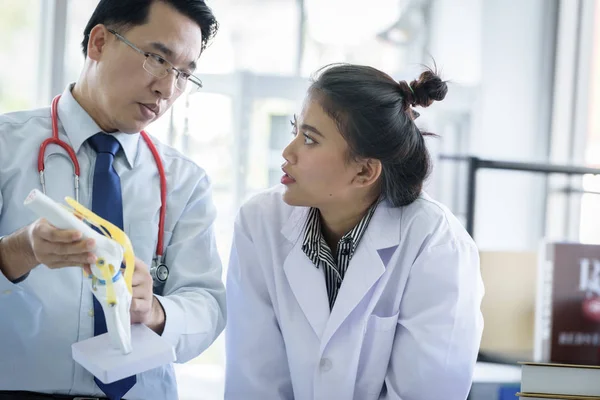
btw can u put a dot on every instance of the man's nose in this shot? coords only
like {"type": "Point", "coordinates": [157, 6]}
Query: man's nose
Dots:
{"type": "Point", "coordinates": [167, 86]}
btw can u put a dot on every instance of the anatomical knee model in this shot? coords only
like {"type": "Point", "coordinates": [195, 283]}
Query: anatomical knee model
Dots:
{"type": "Point", "coordinates": [110, 285]}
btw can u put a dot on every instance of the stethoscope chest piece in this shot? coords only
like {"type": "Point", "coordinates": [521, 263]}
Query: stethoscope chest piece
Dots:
{"type": "Point", "coordinates": [161, 273]}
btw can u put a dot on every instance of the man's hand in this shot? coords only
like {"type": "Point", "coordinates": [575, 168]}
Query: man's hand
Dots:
{"type": "Point", "coordinates": [42, 243]}
{"type": "Point", "coordinates": [59, 248]}
{"type": "Point", "coordinates": [145, 308]}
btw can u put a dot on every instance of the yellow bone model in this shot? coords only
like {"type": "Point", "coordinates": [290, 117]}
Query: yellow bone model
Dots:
{"type": "Point", "coordinates": [115, 233]}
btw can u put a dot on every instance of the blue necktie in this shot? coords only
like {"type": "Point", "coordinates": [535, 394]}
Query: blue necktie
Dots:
{"type": "Point", "coordinates": [108, 204]}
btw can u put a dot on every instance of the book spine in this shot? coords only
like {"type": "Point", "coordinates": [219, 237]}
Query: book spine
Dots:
{"type": "Point", "coordinates": [543, 304]}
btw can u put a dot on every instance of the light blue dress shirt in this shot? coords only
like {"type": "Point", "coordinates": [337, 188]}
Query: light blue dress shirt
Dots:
{"type": "Point", "coordinates": [44, 314]}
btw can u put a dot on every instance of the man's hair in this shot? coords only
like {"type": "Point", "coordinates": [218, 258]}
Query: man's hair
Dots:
{"type": "Point", "coordinates": [125, 14]}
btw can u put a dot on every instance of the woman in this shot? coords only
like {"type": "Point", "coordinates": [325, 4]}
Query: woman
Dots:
{"type": "Point", "coordinates": [347, 281]}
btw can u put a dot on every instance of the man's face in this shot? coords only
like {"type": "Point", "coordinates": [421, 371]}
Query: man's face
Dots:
{"type": "Point", "coordinates": [128, 97]}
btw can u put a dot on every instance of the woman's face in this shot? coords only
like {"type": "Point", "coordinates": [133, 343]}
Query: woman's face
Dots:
{"type": "Point", "coordinates": [317, 172]}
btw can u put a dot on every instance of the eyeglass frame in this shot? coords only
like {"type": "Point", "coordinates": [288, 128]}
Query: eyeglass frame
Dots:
{"type": "Point", "coordinates": [191, 78]}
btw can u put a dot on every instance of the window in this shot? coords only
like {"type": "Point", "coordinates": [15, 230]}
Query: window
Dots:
{"type": "Point", "coordinates": [78, 14]}
{"type": "Point", "coordinates": [590, 202]}
{"type": "Point", "coordinates": [246, 43]}
{"type": "Point", "coordinates": [20, 23]}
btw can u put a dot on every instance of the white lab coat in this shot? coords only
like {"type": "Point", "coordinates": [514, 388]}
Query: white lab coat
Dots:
{"type": "Point", "coordinates": [406, 323]}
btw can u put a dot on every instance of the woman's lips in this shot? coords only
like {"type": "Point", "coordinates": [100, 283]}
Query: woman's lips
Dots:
{"type": "Point", "coordinates": [286, 179]}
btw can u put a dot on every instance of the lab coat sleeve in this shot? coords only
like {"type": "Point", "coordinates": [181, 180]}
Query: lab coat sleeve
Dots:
{"type": "Point", "coordinates": [256, 365]}
{"type": "Point", "coordinates": [194, 294]}
{"type": "Point", "coordinates": [439, 327]}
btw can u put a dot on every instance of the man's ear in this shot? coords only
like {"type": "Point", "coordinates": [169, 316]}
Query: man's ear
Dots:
{"type": "Point", "coordinates": [369, 171]}
{"type": "Point", "coordinates": [97, 40]}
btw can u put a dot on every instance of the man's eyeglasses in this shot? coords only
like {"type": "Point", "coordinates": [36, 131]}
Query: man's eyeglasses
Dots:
{"type": "Point", "coordinates": [157, 66]}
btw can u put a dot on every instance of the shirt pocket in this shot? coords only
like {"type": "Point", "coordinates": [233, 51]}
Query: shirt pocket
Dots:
{"type": "Point", "coordinates": [375, 354]}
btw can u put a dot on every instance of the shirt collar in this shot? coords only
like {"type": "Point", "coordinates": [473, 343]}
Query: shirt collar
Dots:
{"type": "Point", "coordinates": [359, 230]}
{"type": "Point", "coordinates": [312, 232]}
{"type": "Point", "coordinates": [79, 127]}
{"type": "Point", "coordinates": [313, 235]}
{"type": "Point", "coordinates": [311, 246]}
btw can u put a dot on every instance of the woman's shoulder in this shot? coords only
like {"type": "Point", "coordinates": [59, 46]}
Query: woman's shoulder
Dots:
{"type": "Point", "coordinates": [432, 220]}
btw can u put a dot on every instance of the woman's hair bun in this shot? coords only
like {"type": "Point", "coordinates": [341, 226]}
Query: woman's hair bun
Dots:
{"type": "Point", "coordinates": [424, 91]}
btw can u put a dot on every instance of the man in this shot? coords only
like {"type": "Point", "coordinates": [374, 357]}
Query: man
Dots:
{"type": "Point", "coordinates": [140, 57]}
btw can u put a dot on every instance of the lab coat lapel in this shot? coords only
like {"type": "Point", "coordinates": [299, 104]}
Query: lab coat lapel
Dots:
{"type": "Point", "coordinates": [306, 281]}
{"type": "Point", "coordinates": [368, 263]}
{"type": "Point", "coordinates": [364, 270]}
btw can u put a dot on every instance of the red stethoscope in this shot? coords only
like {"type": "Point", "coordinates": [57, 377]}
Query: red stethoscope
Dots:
{"type": "Point", "coordinates": [158, 269]}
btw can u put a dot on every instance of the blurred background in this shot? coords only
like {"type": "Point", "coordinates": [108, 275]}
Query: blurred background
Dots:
{"type": "Point", "coordinates": [524, 87]}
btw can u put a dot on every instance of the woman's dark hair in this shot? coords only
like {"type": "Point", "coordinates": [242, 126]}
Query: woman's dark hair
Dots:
{"type": "Point", "coordinates": [124, 14]}
{"type": "Point", "coordinates": [373, 112]}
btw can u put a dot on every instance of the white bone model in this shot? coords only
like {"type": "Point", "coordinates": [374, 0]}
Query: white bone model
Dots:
{"type": "Point", "coordinates": [108, 283]}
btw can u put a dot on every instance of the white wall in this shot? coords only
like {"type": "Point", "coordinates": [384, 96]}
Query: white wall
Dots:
{"type": "Point", "coordinates": [510, 69]}
{"type": "Point", "coordinates": [456, 39]}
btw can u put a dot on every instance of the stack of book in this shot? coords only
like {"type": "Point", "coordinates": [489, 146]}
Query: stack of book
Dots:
{"type": "Point", "coordinates": [548, 381]}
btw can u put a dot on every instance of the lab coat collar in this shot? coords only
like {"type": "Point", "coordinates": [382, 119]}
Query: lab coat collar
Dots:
{"type": "Point", "coordinates": [79, 127]}
{"type": "Point", "coordinates": [387, 233]}
{"type": "Point", "coordinates": [366, 267]}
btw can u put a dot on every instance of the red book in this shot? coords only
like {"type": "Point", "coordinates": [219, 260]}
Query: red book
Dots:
{"type": "Point", "coordinates": [567, 326]}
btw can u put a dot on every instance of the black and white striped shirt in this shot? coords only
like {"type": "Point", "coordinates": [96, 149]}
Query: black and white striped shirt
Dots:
{"type": "Point", "coordinates": [317, 250]}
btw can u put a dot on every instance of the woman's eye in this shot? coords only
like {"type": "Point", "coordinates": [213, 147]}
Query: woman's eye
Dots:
{"type": "Point", "coordinates": [308, 139]}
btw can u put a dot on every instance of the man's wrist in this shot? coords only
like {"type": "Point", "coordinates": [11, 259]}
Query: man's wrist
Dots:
{"type": "Point", "coordinates": [159, 317]}
{"type": "Point", "coordinates": [16, 257]}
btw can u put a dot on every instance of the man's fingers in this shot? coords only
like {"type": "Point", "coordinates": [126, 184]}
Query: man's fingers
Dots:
{"type": "Point", "coordinates": [60, 248]}
{"type": "Point", "coordinates": [139, 306]}
{"type": "Point", "coordinates": [51, 234]}
{"type": "Point", "coordinates": [141, 292]}
{"type": "Point", "coordinates": [141, 276]}
{"type": "Point", "coordinates": [134, 308]}
{"type": "Point", "coordinates": [64, 249]}
{"type": "Point", "coordinates": [64, 265]}
{"type": "Point", "coordinates": [137, 279]}
{"type": "Point", "coordinates": [72, 259]}
{"type": "Point", "coordinates": [135, 318]}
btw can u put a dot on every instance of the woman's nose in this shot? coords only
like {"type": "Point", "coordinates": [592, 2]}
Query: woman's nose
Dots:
{"type": "Point", "coordinates": [289, 153]}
